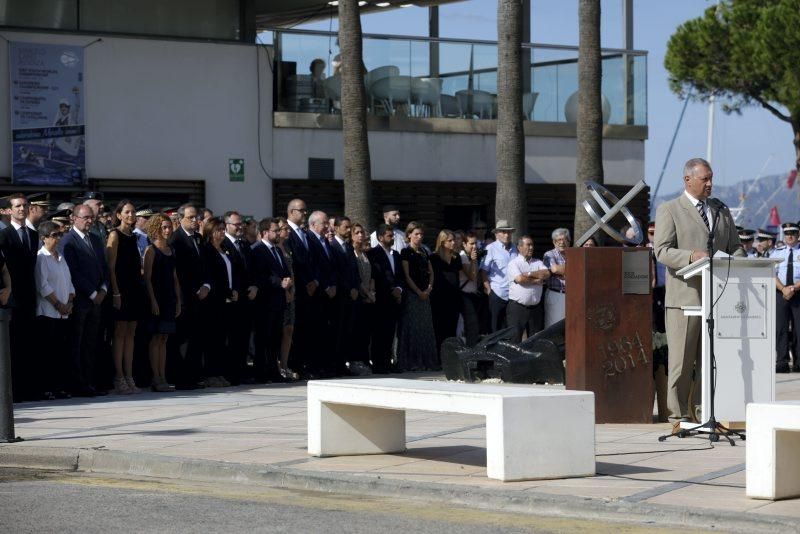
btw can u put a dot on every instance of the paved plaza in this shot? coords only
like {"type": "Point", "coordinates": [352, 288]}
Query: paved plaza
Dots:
{"type": "Point", "coordinates": [258, 435]}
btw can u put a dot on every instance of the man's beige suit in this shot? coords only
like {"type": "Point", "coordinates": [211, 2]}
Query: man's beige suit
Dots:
{"type": "Point", "coordinates": [679, 231]}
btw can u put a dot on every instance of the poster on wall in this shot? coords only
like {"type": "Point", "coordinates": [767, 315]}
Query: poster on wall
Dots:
{"type": "Point", "coordinates": [47, 124]}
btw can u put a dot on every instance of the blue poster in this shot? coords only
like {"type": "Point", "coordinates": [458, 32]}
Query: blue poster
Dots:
{"type": "Point", "coordinates": [47, 124]}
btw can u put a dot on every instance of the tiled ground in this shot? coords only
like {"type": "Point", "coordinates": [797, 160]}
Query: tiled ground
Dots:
{"type": "Point", "coordinates": [267, 425]}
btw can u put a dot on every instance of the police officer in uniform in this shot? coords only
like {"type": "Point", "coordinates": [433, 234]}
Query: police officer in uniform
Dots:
{"type": "Point", "coordinates": [766, 243]}
{"type": "Point", "coordinates": [787, 281]}
{"type": "Point", "coordinates": [747, 237]}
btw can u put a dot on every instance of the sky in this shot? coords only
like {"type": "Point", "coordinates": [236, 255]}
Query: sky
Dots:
{"type": "Point", "coordinates": [745, 146]}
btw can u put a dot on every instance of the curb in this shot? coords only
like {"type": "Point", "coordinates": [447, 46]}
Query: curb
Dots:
{"type": "Point", "coordinates": [528, 501]}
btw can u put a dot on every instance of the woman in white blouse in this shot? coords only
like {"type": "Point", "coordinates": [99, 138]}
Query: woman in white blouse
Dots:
{"type": "Point", "coordinates": [54, 296]}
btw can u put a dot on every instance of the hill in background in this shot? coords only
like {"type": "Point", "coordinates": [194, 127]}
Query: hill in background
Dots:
{"type": "Point", "coordinates": [759, 197]}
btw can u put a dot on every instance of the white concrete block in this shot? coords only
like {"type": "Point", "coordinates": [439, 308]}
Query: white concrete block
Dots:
{"type": "Point", "coordinates": [773, 450]}
{"type": "Point", "coordinates": [531, 433]}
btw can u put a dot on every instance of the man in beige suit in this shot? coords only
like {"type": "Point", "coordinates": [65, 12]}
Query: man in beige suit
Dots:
{"type": "Point", "coordinates": [682, 228]}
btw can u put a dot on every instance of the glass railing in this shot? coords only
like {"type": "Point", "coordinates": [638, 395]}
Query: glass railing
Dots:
{"type": "Point", "coordinates": [419, 77]}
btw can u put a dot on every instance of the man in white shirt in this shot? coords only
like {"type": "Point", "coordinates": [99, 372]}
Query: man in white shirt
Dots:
{"type": "Point", "coordinates": [526, 276]}
{"type": "Point", "coordinates": [391, 216]}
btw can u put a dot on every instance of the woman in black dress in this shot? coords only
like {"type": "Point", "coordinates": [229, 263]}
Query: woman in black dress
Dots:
{"type": "Point", "coordinates": [127, 294]}
{"type": "Point", "coordinates": [288, 313]}
{"type": "Point", "coordinates": [163, 291]}
{"type": "Point", "coordinates": [416, 342]}
{"type": "Point", "coordinates": [446, 294]}
{"type": "Point", "coordinates": [219, 316]}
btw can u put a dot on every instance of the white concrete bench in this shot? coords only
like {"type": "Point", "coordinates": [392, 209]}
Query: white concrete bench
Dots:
{"type": "Point", "coordinates": [773, 450]}
{"type": "Point", "coordinates": [531, 433]}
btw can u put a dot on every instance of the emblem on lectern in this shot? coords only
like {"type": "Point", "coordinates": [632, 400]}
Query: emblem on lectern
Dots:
{"type": "Point", "coordinates": [740, 307]}
{"type": "Point", "coordinates": [603, 317]}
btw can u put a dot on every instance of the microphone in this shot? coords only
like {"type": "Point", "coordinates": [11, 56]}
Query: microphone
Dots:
{"type": "Point", "coordinates": [715, 204]}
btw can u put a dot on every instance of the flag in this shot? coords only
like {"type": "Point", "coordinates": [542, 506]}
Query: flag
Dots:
{"type": "Point", "coordinates": [774, 224]}
{"type": "Point", "coordinates": [791, 179]}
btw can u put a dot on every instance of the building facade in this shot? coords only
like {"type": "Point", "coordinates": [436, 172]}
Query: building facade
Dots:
{"type": "Point", "coordinates": [170, 102]}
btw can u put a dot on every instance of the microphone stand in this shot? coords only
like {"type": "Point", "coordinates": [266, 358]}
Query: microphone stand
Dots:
{"type": "Point", "coordinates": [712, 426]}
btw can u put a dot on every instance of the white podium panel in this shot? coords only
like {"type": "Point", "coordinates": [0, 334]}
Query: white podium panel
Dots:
{"type": "Point", "coordinates": [744, 333]}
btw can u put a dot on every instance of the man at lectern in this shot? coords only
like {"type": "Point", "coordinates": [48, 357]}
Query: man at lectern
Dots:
{"type": "Point", "coordinates": [682, 230]}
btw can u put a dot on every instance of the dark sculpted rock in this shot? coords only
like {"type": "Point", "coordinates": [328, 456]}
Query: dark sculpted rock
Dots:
{"type": "Point", "coordinates": [536, 360]}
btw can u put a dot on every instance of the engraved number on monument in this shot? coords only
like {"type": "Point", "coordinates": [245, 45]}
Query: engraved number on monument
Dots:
{"type": "Point", "coordinates": [636, 272]}
{"type": "Point", "coordinates": [741, 311]}
{"type": "Point", "coordinates": [623, 355]}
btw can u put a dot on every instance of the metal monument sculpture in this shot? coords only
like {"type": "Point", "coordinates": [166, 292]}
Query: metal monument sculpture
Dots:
{"type": "Point", "coordinates": [602, 197]}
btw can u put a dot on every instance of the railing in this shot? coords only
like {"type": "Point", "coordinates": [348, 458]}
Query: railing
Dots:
{"type": "Point", "coordinates": [452, 78]}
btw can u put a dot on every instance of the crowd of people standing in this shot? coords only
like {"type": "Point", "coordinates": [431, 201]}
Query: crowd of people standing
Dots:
{"type": "Point", "coordinates": [215, 301]}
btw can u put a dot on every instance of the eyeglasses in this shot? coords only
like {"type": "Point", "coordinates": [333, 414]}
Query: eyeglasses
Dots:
{"type": "Point", "coordinates": [236, 224]}
{"type": "Point", "coordinates": [85, 217]}
{"type": "Point", "coordinates": [56, 235]}
{"type": "Point", "coordinates": [300, 210]}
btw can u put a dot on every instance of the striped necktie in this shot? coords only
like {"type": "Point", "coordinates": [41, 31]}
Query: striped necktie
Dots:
{"type": "Point", "coordinates": [701, 208]}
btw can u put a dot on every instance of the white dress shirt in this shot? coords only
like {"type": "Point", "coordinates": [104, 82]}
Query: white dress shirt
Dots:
{"type": "Point", "coordinates": [229, 268]}
{"type": "Point", "coordinates": [528, 294]}
{"type": "Point", "coordinates": [52, 276]}
{"type": "Point", "coordinates": [300, 233]}
{"type": "Point", "coordinates": [694, 202]}
{"type": "Point", "coordinates": [399, 240]}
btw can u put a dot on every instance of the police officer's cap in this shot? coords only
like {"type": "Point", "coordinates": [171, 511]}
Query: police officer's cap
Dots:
{"type": "Point", "coordinates": [763, 235]}
{"type": "Point", "coordinates": [39, 199]}
{"type": "Point", "coordinates": [790, 227]}
{"type": "Point", "coordinates": [747, 235]}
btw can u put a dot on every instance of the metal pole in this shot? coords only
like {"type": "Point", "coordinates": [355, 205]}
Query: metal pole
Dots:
{"type": "Point", "coordinates": [6, 396]}
{"type": "Point", "coordinates": [627, 17]}
{"type": "Point", "coordinates": [710, 133]}
{"type": "Point", "coordinates": [433, 32]}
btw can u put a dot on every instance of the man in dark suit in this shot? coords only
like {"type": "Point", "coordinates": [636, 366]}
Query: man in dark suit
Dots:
{"type": "Point", "coordinates": [323, 357]}
{"type": "Point", "coordinates": [387, 272]}
{"type": "Point", "coordinates": [272, 277]}
{"type": "Point", "coordinates": [188, 367]}
{"type": "Point", "coordinates": [306, 284]}
{"type": "Point", "coordinates": [19, 245]}
{"type": "Point", "coordinates": [348, 280]}
{"type": "Point", "coordinates": [238, 250]}
{"type": "Point", "coordinates": [84, 253]}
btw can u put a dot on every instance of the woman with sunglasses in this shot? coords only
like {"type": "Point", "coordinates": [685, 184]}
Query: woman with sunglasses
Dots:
{"type": "Point", "coordinates": [54, 296]}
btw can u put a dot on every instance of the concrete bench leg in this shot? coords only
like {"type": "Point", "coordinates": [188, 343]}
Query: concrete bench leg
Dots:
{"type": "Point", "coordinates": [529, 439]}
{"type": "Point", "coordinates": [341, 429]}
{"type": "Point", "coordinates": [773, 463]}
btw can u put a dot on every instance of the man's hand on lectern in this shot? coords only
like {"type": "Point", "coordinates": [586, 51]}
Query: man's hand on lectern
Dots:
{"type": "Point", "coordinates": [698, 255]}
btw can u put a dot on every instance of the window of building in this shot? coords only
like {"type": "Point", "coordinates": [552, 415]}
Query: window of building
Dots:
{"type": "Point", "coordinates": [205, 19]}
{"type": "Point", "coordinates": [212, 19]}
{"type": "Point", "coordinates": [46, 14]}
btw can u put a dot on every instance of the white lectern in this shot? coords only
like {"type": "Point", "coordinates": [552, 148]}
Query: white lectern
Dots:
{"type": "Point", "coordinates": [744, 337]}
